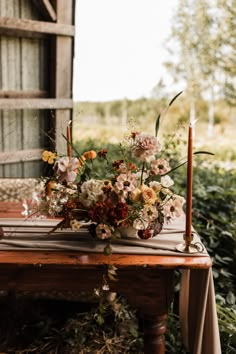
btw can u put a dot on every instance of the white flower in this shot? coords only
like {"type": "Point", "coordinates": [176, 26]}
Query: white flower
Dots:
{"type": "Point", "coordinates": [166, 181]}
{"type": "Point", "coordinates": [160, 167]}
{"type": "Point", "coordinates": [66, 168]}
{"type": "Point", "coordinates": [150, 212]}
{"type": "Point", "coordinates": [144, 175]}
{"type": "Point", "coordinates": [126, 182]}
{"type": "Point", "coordinates": [75, 224]}
{"type": "Point", "coordinates": [147, 215]}
{"type": "Point", "coordinates": [156, 186]}
{"type": "Point", "coordinates": [173, 208]}
{"type": "Point", "coordinates": [91, 192]}
{"type": "Point", "coordinates": [140, 223]}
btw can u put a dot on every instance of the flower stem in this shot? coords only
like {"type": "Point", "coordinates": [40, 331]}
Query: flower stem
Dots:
{"type": "Point", "coordinates": [142, 172]}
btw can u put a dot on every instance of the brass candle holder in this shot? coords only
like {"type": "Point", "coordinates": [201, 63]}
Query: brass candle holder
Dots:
{"type": "Point", "coordinates": [187, 246]}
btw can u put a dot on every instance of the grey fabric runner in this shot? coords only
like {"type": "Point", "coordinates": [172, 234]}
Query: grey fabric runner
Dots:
{"type": "Point", "coordinates": [35, 234]}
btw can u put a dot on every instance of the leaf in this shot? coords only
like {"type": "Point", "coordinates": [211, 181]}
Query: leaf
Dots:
{"type": "Point", "coordinates": [173, 99]}
{"type": "Point", "coordinates": [230, 298]}
{"type": "Point", "coordinates": [157, 124]}
{"type": "Point", "coordinates": [111, 277]}
{"type": "Point", "coordinates": [73, 146]}
{"type": "Point", "coordinates": [107, 250]}
{"type": "Point", "coordinates": [165, 112]}
{"type": "Point", "coordinates": [203, 152]}
{"type": "Point", "coordinates": [175, 168]}
{"type": "Point", "coordinates": [99, 319]}
{"type": "Point", "coordinates": [183, 163]}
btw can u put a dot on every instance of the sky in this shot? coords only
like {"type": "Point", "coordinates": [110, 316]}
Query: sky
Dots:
{"type": "Point", "coordinates": [119, 48]}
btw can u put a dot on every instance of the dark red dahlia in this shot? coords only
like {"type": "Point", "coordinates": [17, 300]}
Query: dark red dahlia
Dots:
{"type": "Point", "coordinates": [102, 153]}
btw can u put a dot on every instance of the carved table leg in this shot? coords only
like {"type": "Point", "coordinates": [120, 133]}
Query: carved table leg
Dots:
{"type": "Point", "coordinates": [149, 290]}
{"type": "Point", "coordinates": [154, 334]}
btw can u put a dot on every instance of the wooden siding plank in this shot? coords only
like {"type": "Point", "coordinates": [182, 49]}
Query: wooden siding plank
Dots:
{"type": "Point", "coordinates": [12, 140]}
{"type": "Point", "coordinates": [11, 80]}
{"type": "Point", "coordinates": [36, 103]}
{"type": "Point", "coordinates": [63, 74]}
{"type": "Point", "coordinates": [28, 10]}
{"type": "Point", "coordinates": [30, 63]}
{"type": "Point", "coordinates": [23, 94]}
{"type": "Point", "coordinates": [20, 156]}
{"type": "Point", "coordinates": [9, 8]}
{"type": "Point", "coordinates": [30, 81]}
{"type": "Point", "coordinates": [19, 27]}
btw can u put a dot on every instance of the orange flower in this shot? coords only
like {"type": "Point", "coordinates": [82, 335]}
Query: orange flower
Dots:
{"type": "Point", "coordinates": [132, 166]}
{"type": "Point", "coordinates": [134, 134]}
{"type": "Point", "coordinates": [49, 188]}
{"type": "Point", "coordinates": [90, 154]}
{"type": "Point", "coordinates": [148, 195]}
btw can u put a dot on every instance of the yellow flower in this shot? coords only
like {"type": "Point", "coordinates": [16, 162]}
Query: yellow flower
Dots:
{"type": "Point", "coordinates": [49, 157]}
{"type": "Point", "coordinates": [90, 154]}
{"type": "Point", "coordinates": [136, 195]}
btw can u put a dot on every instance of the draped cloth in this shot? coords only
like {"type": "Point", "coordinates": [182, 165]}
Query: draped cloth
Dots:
{"type": "Point", "coordinates": [198, 316]}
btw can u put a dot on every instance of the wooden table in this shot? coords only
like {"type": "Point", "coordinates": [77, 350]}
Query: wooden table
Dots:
{"type": "Point", "coordinates": [145, 280]}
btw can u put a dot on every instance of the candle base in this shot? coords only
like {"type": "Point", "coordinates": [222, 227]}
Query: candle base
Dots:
{"type": "Point", "coordinates": [187, 246]}
{"type": "Point", "coordinates": [187, 249]}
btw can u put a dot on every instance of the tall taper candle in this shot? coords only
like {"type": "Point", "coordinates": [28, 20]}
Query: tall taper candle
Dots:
{"type": "Point", "coordinates": [188, 228]}
{"type": "Point", "coordinates": [69, 148]}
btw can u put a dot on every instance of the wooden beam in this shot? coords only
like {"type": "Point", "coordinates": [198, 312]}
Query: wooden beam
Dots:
{"type": "Point", "coordinates": [23, 94]}
{"type": "Point", "coordinates": [63, 70]}
{"type": "Point", "coordinates": [36, 103]}
{"type": "Point", "coordinates": [19, 27]}
{"type": "Point", "coordinates": [47, 10]}
{"type": "Point", "coordinates": [20, 156]}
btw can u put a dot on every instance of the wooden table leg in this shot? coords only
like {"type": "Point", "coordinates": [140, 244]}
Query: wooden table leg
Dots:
{"type": "Point", "coordinates": [154, 328]}
{"type": "Point", "coordinates": [151, 292]}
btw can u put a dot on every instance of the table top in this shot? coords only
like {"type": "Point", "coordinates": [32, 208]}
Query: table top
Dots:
{"type": "Point", "coordinates": [65, 258]}
{"type": "Point", "coordinates": [82, 259]}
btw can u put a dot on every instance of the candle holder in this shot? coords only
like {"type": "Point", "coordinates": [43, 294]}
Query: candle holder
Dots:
{"type": "Point", "coordinates": [188, 247]}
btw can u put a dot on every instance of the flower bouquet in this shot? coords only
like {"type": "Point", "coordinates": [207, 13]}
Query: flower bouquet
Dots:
{"type": "Point", "coordinates": [137, 194]}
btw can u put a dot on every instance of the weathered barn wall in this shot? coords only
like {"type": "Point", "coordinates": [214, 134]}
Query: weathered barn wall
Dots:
{"type": "Point", "coordinates": [23, 66]}
{"type": "Point", "coordinates": [34, 65]}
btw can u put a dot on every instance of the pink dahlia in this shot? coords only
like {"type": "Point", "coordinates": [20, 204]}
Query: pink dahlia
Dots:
{"type": "Point", "coordinates": [145, 147]}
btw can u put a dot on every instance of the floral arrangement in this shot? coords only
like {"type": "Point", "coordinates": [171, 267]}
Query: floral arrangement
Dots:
{"type": "Point", "coordinates": [137, 192]}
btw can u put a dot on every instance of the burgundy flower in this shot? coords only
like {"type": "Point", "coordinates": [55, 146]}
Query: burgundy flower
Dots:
{"type": "Point", "coordinates": [145, 234]}
{"type": "Point", "coordinates": [116, 164]}
{"type": "Point", "coordinates": [102, 153]}
{"type": "Point", "coordinates": [108, 213]}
